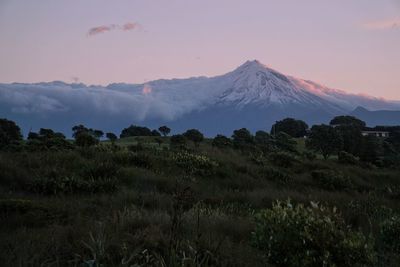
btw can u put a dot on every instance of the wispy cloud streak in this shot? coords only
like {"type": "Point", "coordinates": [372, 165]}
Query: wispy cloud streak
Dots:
{"type": "Point", "coordinates": [383, 24]}
{"type": "Point", "coordinates": [129, 26]}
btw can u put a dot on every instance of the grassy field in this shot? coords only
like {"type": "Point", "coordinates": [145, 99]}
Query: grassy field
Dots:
{"type": "Point", "coordinates": [140, 203]}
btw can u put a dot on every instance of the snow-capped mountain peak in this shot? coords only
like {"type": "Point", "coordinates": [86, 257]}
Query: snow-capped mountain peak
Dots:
{"type": "Point", "coordinates": [256, 83]}
{"type": "Point", "coordinates": [252, 95]}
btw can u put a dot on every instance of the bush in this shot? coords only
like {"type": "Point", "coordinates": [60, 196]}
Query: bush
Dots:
{"type": "Point", "coordinates": [331, 180]}
{"type": "Point", "coordinates": [276, 176]}
{"type": "Point", "coordinates": [309, 236]}
{"type": "Point", "coordinates": [309, 155]}
{"type": "Point", "coordinates": [85, 140]}
{"type": "Point", "coordinates": [390, 233]}
{"type": "Point", "coordinates": [72, 185]}
{"type": "Point", "coordinates": [194, 164]}
{"type": "Point", "coordinates": [221, 141]}
{"type": "Point", "coordinates": [282, 159]}
{"type": "Point", "coordinates": [347, 158]}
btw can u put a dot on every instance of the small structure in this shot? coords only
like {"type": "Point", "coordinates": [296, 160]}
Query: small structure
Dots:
{"type": "Point", "coordinates": [379, 134]}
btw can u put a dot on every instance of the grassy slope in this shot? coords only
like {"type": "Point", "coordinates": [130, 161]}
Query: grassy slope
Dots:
{"type": "Point", "coordinates": [151, 190]}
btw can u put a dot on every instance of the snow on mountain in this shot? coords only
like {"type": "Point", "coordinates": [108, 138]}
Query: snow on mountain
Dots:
{"type": "Point", "coordinates": [252, 94]}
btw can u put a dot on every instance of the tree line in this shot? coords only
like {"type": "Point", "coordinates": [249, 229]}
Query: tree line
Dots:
{"type": "Point", "coordinates": [342, 137]}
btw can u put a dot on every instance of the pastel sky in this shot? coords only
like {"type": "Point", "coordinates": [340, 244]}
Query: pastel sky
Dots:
{"type": "Point", "coordinates": [350, 45]}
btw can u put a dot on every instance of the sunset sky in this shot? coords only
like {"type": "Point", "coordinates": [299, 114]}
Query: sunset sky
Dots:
{"type": "Point", "coordinates": [350, 45]}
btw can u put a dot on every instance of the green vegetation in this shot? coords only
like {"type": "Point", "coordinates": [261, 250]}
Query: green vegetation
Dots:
{"type": "Point", "coordinates": [185, 200]}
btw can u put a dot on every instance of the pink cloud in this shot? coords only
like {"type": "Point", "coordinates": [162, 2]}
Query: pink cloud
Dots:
{"type": "Point", "coordinates": [147, 89]}
{"type": "Point", "coordinates": [100, 29]}
{"type": "Point", "coordinates": [106, 28]}
{"type": "Point", "coordinates": [130, 26]}
{"type": "Point", "coordinates": [383, 24]}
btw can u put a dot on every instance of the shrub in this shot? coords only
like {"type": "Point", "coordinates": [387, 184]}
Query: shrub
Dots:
{"type": "Point", "coordinates": [178, 141]}
{"type": "Point", "coordinates": [347, 158]}
{"type": "Point", "coordinates": [10, 133]}
{"type": "Point", "coordinates": [331, 180]}
{"type": "Point", "coordinates": [309, 155]}
{"type": "Point", "coordinates": [72, 185]}
{"type": "Point", "coordinates": [102, 169]}
{"type": "Point", "coordinates": [389, 234]}
{"type": "Point", "coordinates": [282, 159]}
{"type": "Point", "coordinates": [221, 141]}
{"type": "Point", "coordinates": [136, 148]}
{"type": "Point", "coordinates": [85, 140]}
{"type": "Point", "coordinates": [194, 164]}
{"type": "Point", "coordinates": [309, 236]}
{"type": "Point", "coordinates": [276, 176]}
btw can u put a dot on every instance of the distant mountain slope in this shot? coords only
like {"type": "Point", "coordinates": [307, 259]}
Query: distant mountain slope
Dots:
{"type": "Point", "coordinates": [252, 96]}
{"type": "Point", "coordinates": [377, 117]}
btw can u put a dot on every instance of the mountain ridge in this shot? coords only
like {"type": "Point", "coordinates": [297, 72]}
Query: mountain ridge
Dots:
{"type": "Point", "coordinates": [252, 95]}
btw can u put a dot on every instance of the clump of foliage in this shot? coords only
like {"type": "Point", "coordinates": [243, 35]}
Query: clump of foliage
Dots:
{"type": "Point", "coordinates": [295, 235]}
{"type": "Point", "coordinates": [325, 140]}
{"type": "Point", "coordinates": [285, 142]}
{"type": "Point", "coordinates": [242, 138]}
{"type": "Point", "coordinates": [347, 158]}
{"type": "Point", "coordinates": [194, 164]}
{"type": "Point", "coordinates": [347, 121]}
{"type": "Point", "coordinates": [47, 139]}
{"type": "Point", "coordinates": [389, 234]}
{"type": "Point", "coordinates": [221, 141]}
{"type": "Point", "coordinates": [72, 185]}
{"type": "Point", "coordinates": [10, 133]}
{"type": "Point", "coordinates": [164, 130]}
{"type": "Point", "coordinates": [135, 130]}
{"type": "Point", "coordinates": [178, 141]}
{"type": "Point", "coordinates": [112, 137]}
{"type": "Point", "coordinates": [276, 176]}
{"type": "Point", "coordinates": [282, 159]}
{"type": "Point", "coordinates": [85, 139]}
{"type": "Point", "coordinates": [331, 180]}
{"type": "Point", "coordinates": [309, 155]}
{"type": "Point", "coordinates": [195, 136]}
{"type": "Point", "coordinates": [292, 127]}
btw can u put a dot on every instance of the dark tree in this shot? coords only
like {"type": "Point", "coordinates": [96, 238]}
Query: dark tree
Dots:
{"type": "Point", "coordinates": [285, 142]}
{"type": "Point", "coordinates": [264, 141]}
{"type": "Point", "coordinates": [194, 135]}
{"type": "Point", "coordinates": [79, 129]}
{"type": "Point", "coordinates": [155, 133]}
{"type": "Point", "coordinates": [178, 141]}
{"type": "Point", "coordinates": [370, 149]}
{"type": "Point", "coordinates": [348, 120]}
{"type": "Point", "coordinates": [33, 136]}
{"type": "Point", "coordinates": [294, 128]}
{"type": "Point", "coordinates": [394, 140]}
{"type": "Point", "coordinates": [351, 137]}
{"type": "Point", "coordinates": [10, 133]}
{"type": "Point", "coordinates": [134, 130]}
{"type": "Point", "coordinates": [263, 138]}
{"type": "Point", "coordinates": [97, 133]}
{"type": "Point", "coordinates": [47, 139]}
{"type": "Point", "coordinates": [221, 141]}
{"type": "Point", "coordinates": [324, 139]}
{"type": "Point", "coordinates": [164, 130]}
{"type": "Point", "coordinates": [242, 137]}
{"type": "Point", "coordinates": [46, 133]}
{"type": "Point", "coordinates": [85, 139]}
{"type": "Point", "coordinates": [112, 137]}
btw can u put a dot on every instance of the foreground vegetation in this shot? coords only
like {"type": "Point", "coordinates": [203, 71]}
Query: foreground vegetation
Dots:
{"type": "Point", "coordinates": [188, 201]}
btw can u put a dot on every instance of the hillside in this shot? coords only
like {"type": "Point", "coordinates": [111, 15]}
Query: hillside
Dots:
{"type": "Point", "coordinates": [151, 204]}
